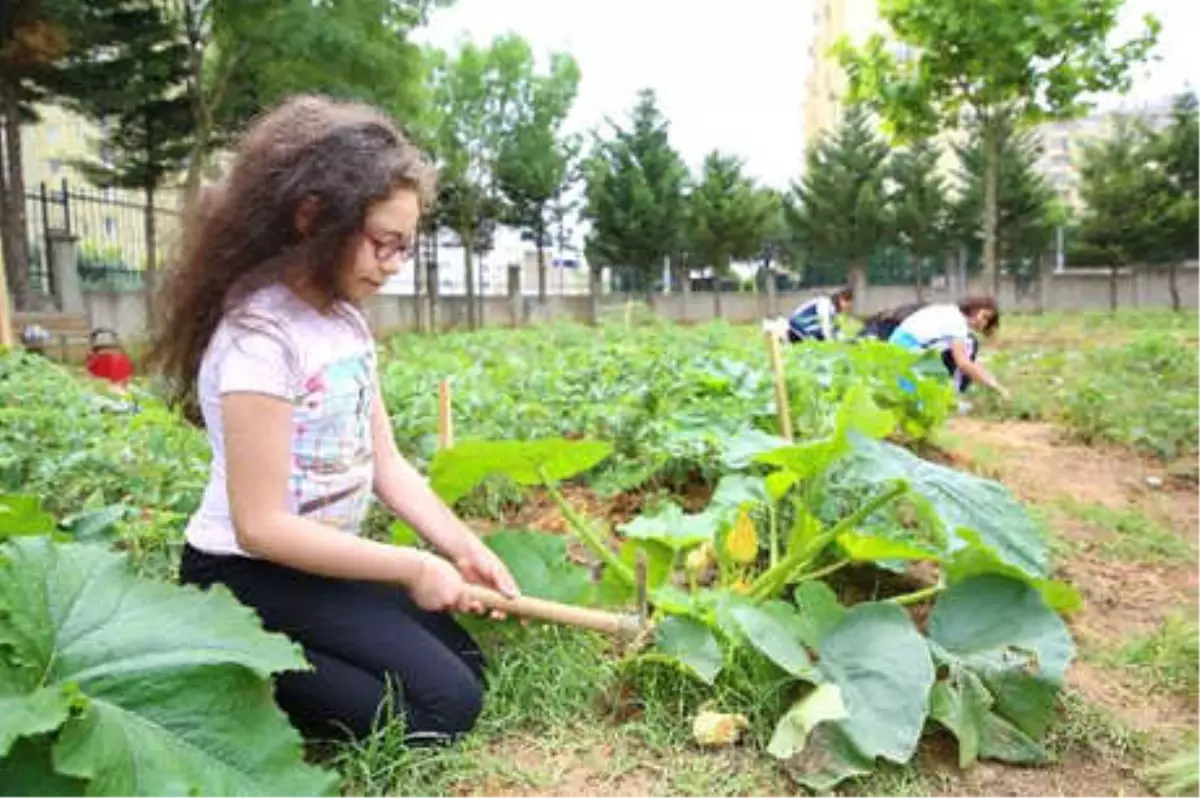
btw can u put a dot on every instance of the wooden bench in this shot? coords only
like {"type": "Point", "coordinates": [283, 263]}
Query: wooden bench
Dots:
{"type": "Point", "coordinates": [69, 334]}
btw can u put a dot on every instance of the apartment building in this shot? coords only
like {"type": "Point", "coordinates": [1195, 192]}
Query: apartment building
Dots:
{"type": "Point", "coordinates": [826, 84]}
{"type": "Point", "coordinates": [1063, 142]}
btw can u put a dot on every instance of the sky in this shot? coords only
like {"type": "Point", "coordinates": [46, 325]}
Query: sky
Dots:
{"type": "Point", "coordinates": [728, 76]}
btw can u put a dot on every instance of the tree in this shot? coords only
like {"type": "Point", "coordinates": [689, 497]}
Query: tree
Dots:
{"type": "Point", "coordinates": [634, 193]}
{"type": "Point", "coordinates": [36, 38]}
{"type": "Point", "coordinates": [1026, 60]}
{"type": "Point", "coordinates": [246, 54]}
{"type": "Point", "coordinates": [138, 91]}
{"type": "Point", "coordinates": [535, 165]}
{"type": "Point", "coordinates": [726, 218]}
{"type": "Point", "coordinates": [477, 94]}
{"type": "Point", "coordinates": [839, 209]}
{"type": "Point", "coordinates": [920, 205]}
{"type": "Point", "coordinates": [775, 245]}
{"type": "Point", "coordinates": [1173, 157]}
{"type": "Point", "coordinates": [1122, 198]}
{"type": "Point", "coordinates": [1025, 203]}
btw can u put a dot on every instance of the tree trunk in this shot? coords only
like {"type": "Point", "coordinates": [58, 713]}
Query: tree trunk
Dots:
{"type": "Point", "coordinates": [685, 287]}
{"type": "Point", "coordinates": [1112, 287]}
{"type": "Point", "coordinates": [1045, 265]}
{"type": "Point", "coordinates": [1173, 285]}
{"type": "Point", "coordinates": [991, 167]}
{"type": "Point", "coordinates": [12, 236]}
{"type": "Point", "coordinates": [431, 282]}
{"type": "Point", "coordinates": [917, 278]}
{"type": "Point", "coordinates": [856, 276]}
{"type": "Point", "coordinates": [716, 298]}
{"type": "Point", "coordinates": [593, 295]}
{"type": "Point", "coordinates": [772, 301]}
{"type": "Point", "coordinates": [151, 273]}
{"type": "Point", "coordinates": [418, 266]}
{"type": "Point", "coordinates": [469, 269]}
{"type": "Point", "coordinates": [541, 260]}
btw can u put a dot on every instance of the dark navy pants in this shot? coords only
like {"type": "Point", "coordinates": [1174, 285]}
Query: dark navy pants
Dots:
{"type": "Point", "coordinates": [366, 643]}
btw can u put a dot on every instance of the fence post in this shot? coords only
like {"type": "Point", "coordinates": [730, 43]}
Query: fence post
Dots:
{"type": "Point", "coordinates": [62, 257]}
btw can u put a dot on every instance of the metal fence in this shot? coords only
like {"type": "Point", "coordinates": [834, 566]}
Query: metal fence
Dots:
{"type": "Point", "coordinates": [110, 232]}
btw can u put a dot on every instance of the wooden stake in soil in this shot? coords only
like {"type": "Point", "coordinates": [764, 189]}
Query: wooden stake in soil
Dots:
{"type": "Point", "coordinates": [445, 418]}
{"type": "Point", "coordinates": [6, 330]}
{"type": "Point", "coordinates": [781, 395]}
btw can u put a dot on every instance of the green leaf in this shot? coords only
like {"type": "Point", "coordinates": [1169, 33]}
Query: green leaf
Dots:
{"type": "Point", "coordinates": [805, 460]}
{"type": "Point", "coordinates": [962, 704]}
{"type": "Point", "coordinates": [23, 515]}
{"type": "Point", "coordinates": [743, 448]}
{"type": "Point", "coordinates": [859, 413]}
{"type": "Point", "coordinates": [27, 714]}
{"type": "Point", "coordinates": [95, 524]}
{"type": "Point", "coordinates": [778, 483]}
{"type": "Point", "coordinates": [1020, 655]}
{"type": "Point", "coordinates": [824, 703]}
{"type": "Point", "coordinates": [829, 758]}
{"type": "Point", "coordinates": [673, 528]}
{"type": "Point", "coordinates": [869, 548]}
{"type": "Point", "coordinates": [29, 770]}
{"type": "Point", "coordinates": [977, 558]}
{"type": "Point", "coordinates": [176, 680]}
{"type": "Point", "coordinates": [882, 665]}
{"type": "Point", "coordinates": [691, 644]}
{"type": "Point", "coordinates": [538, 563]}
{"type": "Point", "coordinates": [774, 629]}
{"type": "Point", "coordinates": [961, 501]}
{"type": "Point", "coordinates": [457, 471]}
{"type": "Point", "coordinates": [818, 609]}
{"type": "Point", "coordinates": [735, 490]}
{"type": "Point", "coordinates": [402, 534]}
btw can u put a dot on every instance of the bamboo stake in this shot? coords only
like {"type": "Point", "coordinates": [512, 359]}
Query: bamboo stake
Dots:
{"type": "Point", "coordinates": [6, 331]}
{"type": "Point", "coordinates": [781, 396]}
{"type": "Point", "coordinates": [445, 417]}
{"type": "Point", "coordinates": [625, 626]}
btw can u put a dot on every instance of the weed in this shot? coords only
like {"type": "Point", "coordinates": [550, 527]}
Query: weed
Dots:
{"type": "Point", "coordinates": [1167, 659]}
{"type": "Point", "coordinates": [1132, 536]}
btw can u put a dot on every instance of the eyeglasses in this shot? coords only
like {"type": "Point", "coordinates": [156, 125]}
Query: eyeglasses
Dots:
{"type": "Point", "coordinates": [391, 248]}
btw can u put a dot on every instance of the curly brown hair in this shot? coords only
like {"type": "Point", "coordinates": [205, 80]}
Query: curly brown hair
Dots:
{"type": "Point", "coordinates": [337, 158]}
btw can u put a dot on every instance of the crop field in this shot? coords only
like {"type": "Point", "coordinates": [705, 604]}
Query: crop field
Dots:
{"type": "Point", "coordinates": [901, 599]}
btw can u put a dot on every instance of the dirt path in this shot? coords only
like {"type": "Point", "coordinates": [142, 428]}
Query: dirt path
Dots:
{"type": "Point", "coordinates": [1123, 597]}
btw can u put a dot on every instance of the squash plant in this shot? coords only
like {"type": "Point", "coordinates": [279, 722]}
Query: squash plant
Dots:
{"type": "Point", "coordinates": [744, 576]}
{"type": "Point", "coordinates": [111, 684]}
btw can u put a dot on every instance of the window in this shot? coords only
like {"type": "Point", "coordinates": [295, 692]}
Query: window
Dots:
{"type": "Point", "coordinates": [55, 165]}
{"type": "Point", "coordinates": [110, 227]}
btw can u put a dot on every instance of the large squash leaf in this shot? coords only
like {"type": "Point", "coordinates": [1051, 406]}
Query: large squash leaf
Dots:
{"type": "Point", "coordinates": [687, 643]}
{"type": "Point", "coordinates": [1006, 653]}
{"type": "Point", "coordinates": [960, 500]}
{"type": "Point", "coordinates": [538, 563]}
{"type": "Point", "coordinates": [457, 471]}
{"type": "Point", "coordinates": [883, 671]}
{"type": "Point", "coordinates": [23, 515]}
{"type": "Point", "coordinates": [170, 685]}
{"type": "Point", "coordinates": [670, 526]}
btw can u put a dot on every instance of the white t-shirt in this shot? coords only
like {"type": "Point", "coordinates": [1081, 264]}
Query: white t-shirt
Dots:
{"type": "Point", "coordinates": [935, 326]}
{"type": "Point", "coordinates": [324, 365]}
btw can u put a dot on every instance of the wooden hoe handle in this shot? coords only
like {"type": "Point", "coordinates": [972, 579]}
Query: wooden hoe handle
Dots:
{"type": "Point", "coordinates": [612, 623]}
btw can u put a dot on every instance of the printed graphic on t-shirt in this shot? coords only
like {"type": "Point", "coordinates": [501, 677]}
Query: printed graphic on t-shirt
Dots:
{"type": "Point", "coordinates": [331, 445]}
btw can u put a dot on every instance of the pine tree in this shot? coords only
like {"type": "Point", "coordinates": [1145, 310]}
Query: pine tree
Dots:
{"type": "Point", "coordinates": [919, 203]}
{"type": "Point", "coordinates": [138, 91]}
{"type": "Point", "coordinates": [634, 193]}
{"type": "Point", "coordinates": [726, 219]}
{"type": "Point", "coordinates": [1025, 202]}
{"type": "Point", "coordinates": [839, 209]}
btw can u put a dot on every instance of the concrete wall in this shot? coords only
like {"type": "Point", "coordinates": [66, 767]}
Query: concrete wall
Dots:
{"type": "Point", "coordinates": [1074, 291]}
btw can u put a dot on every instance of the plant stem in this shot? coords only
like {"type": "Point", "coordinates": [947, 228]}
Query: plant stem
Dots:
{"type": "Point", "coordinates": [917, 596]}
{"type": "Point", "coordinates": [821, 573]}
{"type": "Point", "coordinates": [773, 580]}
{"type": "Point", "coordinates": [773, 519]}
{"type": "Point", "coordinates": [589, 538]}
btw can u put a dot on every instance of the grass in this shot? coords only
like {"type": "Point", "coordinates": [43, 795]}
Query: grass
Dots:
{"type": "Point", "coordinates": [561, 709]}
{"type": "Point", "coordinates": [1130, 536]}
{"type": "Point", "coordinates": [1165, 660]}
{"type": "Point", "coordinates": [1129, 379]}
